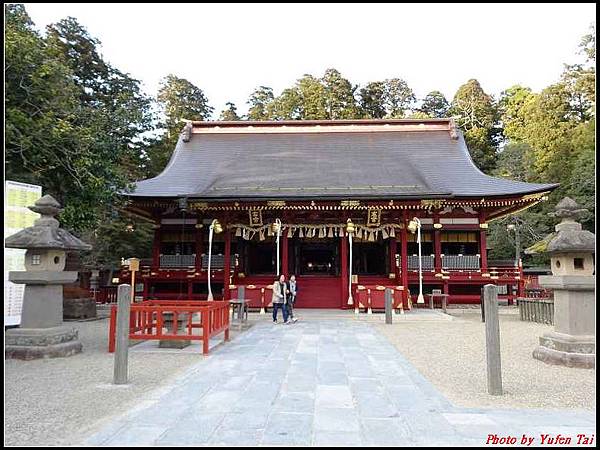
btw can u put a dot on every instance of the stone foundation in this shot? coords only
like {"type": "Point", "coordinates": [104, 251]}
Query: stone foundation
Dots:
{"type": "Point", "coordinates": [566, 350]}
{"type": "Point", "coordinates": [29, 343]}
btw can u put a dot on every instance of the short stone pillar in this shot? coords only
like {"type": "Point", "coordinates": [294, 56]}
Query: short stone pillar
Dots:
{"type": "Point", "coordinates": [168, 322]}
{"type": "Point", "coordinates": [42, 333]}
{"type": "Point", "coordinates": [573, 342]}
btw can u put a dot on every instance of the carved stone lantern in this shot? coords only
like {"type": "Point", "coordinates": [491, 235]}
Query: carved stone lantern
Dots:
{"type": "Point", "coordinates": [42, 333]}
{"type": "Point", "coordinates": [571, 249]}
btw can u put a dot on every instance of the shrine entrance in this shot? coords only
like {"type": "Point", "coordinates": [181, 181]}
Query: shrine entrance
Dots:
{"type": "Point", "coordinates": [316, 264]}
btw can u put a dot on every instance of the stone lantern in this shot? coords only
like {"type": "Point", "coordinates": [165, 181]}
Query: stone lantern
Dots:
{"type": "Point", "coordinates": [42, 333]}
{"type": "Point", "coordinates": [571, 249]}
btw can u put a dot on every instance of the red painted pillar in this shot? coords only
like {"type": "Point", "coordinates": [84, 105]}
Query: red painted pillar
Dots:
{"type": "Point", "coordinates": [404, 260]}
{"type": "Point", "coordinates": [156, 248]}
{"type": "Point", "coordinates": [482, 242]}
{"type": "Point", "coordinates": [226, 264]}
{"type": "Point", "coordinates": [199, 247]}
{"type": "Point", "coordinates": [437, 249]}
{"type": "Point", "coordinates": [284, 254]}
{"type": "Point", "coordinates": [344, 270]}
{"type": "Point", "coordinates": [393, 250]}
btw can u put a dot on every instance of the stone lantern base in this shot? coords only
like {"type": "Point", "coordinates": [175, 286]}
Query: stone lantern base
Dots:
{"type": "Point", "coordinates": [36, 343]}
{"type": "Point", "coordinates": [566, 350]}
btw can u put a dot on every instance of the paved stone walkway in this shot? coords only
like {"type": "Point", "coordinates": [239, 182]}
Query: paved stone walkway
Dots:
{"type": "Point", "coordinates": [321, 382]}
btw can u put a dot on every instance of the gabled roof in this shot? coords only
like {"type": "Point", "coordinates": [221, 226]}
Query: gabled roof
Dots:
{"type": "Point", "coordinates": [325, 159]}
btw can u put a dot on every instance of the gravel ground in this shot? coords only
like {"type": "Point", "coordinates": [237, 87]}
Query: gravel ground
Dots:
{"type": "Point", "coordinates": [451, 354]}
{"type": "Point", "coordinates": [56, 401]}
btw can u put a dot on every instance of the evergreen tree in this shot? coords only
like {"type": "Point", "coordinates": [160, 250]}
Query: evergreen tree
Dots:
{"type": "Point", "coordinates": [435, 105]}
{"type": "Point", "coordinates": [260, 103]}
{"type": "Point", "coordinates": [370, 100]}
{"type": "Point", "coordinates": [477, 116]}
{"type": "Point", "coordinates": [230, 113]}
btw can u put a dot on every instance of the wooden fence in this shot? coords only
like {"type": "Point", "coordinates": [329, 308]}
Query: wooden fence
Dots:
{"type": "Point", "coordinates": [147, 321]}
{"type": "Point", "coordinates": [540, 310]}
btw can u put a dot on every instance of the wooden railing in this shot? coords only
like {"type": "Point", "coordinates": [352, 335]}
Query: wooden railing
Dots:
{"type": "Point", "coordinates": [540, 310]}
{"type": "Point", "coordinates": [147, 321]}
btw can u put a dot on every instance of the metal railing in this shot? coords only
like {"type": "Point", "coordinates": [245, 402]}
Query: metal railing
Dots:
{"type": "Point", "coordinates": [458, 262]}
{"type": "Point", "coordinates": [427, 262]}
{"type": "Point", "coordinates": [177, 260]}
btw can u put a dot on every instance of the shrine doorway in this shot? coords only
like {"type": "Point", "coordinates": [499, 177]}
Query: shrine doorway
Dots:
{"type": "Point", "coordinates": [316, 264]}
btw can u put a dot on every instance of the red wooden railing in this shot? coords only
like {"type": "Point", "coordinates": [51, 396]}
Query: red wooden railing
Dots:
{"type": "Point", "coordinates": [146, 321]}
{"type": "Point", "coordinates": [373, 297]}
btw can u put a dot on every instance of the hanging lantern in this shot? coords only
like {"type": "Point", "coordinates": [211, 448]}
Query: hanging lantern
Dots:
{"type": "Point", "coordinates": [392, 232]}
{"type": "Point", "coordinates": [359, 233]}
{"type": "Point", "coordinates": [301, 234]}
{"type": "Point", "coordinates": [384, 233]}
{"type": "Point", "coordinates": [261, 235]}
{"type": "Point", "coordinates": [217, 228]}
{"type": "Point", "coordinates": [290, 232]}
{"type": "Point", "coordinates": [321, 233]}
{"type": "Point", "coordinates": [276, 227]}
{"type": "Point", "coordinates": [238, 232]}
{"type": "Point", "coordinates": [330, 232]}
{"type": "Point", "coordinates": [412, 226]}
{"type": "Point", "coordinates": [371, 237]}
{"type": "Point", "coordinates": [350, 228]}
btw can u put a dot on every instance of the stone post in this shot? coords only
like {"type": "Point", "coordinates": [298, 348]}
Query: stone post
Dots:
{"type": "Point", "coordinates": [492, 340]}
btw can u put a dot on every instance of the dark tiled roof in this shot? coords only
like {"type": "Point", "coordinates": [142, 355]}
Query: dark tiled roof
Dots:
{"type": "Point", "coordinates": [305, 164]}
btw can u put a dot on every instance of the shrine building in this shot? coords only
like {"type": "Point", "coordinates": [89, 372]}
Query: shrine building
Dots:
{"type": "Point", "coordinates": [312, 176]}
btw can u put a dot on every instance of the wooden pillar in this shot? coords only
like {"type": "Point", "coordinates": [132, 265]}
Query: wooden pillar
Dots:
{"type": "Point", "coordinates": [483, 242]}
{"type": "Point", "coordinates": [199, 246]}
{"type": "Point", "coordinates": [344, 270]}
{"type": "Point", "coordinates": [156, 248]}
{"type": "Point", "coordinates": [392, 258]}
{"type": "Point", "coordinates": [226, 264]}
{"type": "Point", "coordinates": [437, 249]}
{"type": "Point", "coordinates": [284, 254]}
{"type": "Point", "coordinates": [404, 258]}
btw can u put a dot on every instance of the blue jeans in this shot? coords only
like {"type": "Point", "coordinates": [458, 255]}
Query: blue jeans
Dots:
{"type": "Point", "coordinates": [276, 307]}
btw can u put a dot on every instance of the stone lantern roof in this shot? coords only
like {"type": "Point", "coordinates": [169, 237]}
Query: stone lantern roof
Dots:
{"type": "Point", "coordinates": [45, 233]}
{"type": "Point", "coordinates": [569, 237]}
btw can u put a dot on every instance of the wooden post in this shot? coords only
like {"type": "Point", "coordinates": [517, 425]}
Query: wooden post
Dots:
{"type": "Point", "coordinates": [156, 248]}
{"type": "Point", "coordinates": [226, 265]}
{"type": "Point", "coordinates": [285, 254]}
{"type": "Point", "coordinates": [492, 340]}
{"type": "Point", "coordinates": [483, 243]}
{"type": "Point", "coordinates": [122, 331]}
{"type": "Point", "coordinates": [344, 270]}
{"type": "Point", "coordinates": [199, 247]}
{"type": "Point", "coordinates": [404, 259]}
{"type": "Point", "coordinates": [388, 306]}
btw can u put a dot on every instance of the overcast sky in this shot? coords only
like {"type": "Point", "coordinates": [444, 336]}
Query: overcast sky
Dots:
{"type": "Point", "coordinates": [229, 50]}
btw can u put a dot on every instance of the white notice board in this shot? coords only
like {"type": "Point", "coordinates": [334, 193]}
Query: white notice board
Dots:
{"type": "Point", "coordinates": [17, 197]}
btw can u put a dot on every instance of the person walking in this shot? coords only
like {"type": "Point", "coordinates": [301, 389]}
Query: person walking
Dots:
{"type": "Point", "coordinates": [279, 299]}
{"type": "Point", "coordinates": [293, 289]}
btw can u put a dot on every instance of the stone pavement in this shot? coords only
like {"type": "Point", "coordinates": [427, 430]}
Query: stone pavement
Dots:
{"type": "Point", "coordinates": [317, 382]}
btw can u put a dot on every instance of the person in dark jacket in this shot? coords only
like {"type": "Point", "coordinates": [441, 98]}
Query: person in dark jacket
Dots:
{"type": "Point", "coordinates": [293, 291]}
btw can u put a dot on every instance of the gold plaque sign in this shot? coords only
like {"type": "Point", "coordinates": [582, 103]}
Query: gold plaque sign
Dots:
{"type": "Point", "coordinates": [255, 217]}
{"type": "Point", "coordinates": [374, 217]}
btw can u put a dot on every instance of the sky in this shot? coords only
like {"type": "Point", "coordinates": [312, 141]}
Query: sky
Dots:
{"type": "Point", "coordinates": [228, 50]}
